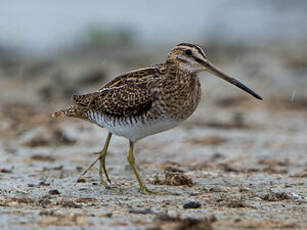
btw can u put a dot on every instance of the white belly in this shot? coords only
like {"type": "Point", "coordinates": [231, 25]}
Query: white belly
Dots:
{"type": "Point", "coordinates": [136, 130]}
{"type": "Point", "coordinates": [139, 131]}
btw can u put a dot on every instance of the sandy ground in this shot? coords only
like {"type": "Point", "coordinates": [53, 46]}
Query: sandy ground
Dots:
{"type": "Point", "coordinates": [237, 163]}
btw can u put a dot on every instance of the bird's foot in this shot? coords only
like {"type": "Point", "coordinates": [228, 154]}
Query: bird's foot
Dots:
{"type": "Point", "coordinates": [107, 184]}
{"type": "Point", "coordinates": [145, 190]}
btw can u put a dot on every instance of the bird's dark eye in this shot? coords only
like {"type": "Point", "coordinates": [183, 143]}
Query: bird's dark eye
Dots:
{"type": "Point", "coordinates": [188, 52]}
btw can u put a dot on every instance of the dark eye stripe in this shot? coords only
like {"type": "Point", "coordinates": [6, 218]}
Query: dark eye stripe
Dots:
{"type": "Point", "coordinates": [199, 60]}
{"type": "Point", "coordinates": [182, 60]}
{"type": "Point", "coordinates": [200, 50]}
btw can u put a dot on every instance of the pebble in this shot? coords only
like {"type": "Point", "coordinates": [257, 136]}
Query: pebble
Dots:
{"type": "Point", "coordinates": [54, 192]}
{"type": "Point", "coordinates": [70, 204]}
{"type": "Point", "coordinates": [191, 204]}
{"type": "Point", "coordinates": [141, 211]}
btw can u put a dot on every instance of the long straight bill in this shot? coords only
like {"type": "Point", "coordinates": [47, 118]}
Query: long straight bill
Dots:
{"type": "Point", "coordinates": [214, 70]}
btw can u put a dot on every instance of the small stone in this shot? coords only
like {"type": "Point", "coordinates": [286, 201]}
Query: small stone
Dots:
{"type": "Point", "coordinates": [47, 213]}
{"type": "Point", "coordinates": [109, 214]}
{"type": "Point", "coordinates": [243, 189]}
{"type": "Point", "coordinates": [70, 204]}
{"type": "Point", "coordinates": [174, 170]}
{"type": "Point", "coordinates": [54, 192]}
{"type": "Point", "coordinates": [236, 204]}
{"type": "Point", "coordinates": [192, 204]}
{"type": "Point", "coordinates": [43, 183]}
{"type": "Point", "coordinates": [141, 211]}
{"type": "Point", "coordinates": [275, 196]}
{"type": "Point", "coordinates": [5, 170]}
{"type": "Point", "coordinates": [81, 180]}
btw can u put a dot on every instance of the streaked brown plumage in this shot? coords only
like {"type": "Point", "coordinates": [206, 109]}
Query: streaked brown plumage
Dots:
{"type": "Point", "coordinates": [147, 100]}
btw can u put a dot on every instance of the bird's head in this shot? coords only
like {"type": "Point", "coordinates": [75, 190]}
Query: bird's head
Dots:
{"type": "Point", "coordinates": [192, 59]}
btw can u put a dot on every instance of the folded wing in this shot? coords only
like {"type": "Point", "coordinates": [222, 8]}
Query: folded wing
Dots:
{"type": "Point", "coordinates": [128, 95]}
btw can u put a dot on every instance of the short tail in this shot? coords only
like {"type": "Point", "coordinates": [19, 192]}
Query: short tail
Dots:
{"type": "Point", "coordinates": [72, 111]}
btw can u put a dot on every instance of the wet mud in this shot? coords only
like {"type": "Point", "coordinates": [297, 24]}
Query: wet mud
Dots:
{"type": "Point", "coordinates": [237, 163]}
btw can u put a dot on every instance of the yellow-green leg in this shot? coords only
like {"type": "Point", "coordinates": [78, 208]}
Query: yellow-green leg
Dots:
{"type": "Point", "coordinates": [131, 161]}
{"type": "Point", "coordinates": [102, 158]}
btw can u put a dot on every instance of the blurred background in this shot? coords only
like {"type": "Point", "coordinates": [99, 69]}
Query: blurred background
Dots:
{"type": "Point", "coordinates": [255, 39]}
{"type": "Point", "coordinates": [50, 50]}
{"type": "Point", "coordinates": [80, 44]}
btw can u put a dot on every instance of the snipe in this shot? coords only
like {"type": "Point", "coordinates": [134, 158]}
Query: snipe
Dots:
{"type": "Point", "coordinates": [147, 101]}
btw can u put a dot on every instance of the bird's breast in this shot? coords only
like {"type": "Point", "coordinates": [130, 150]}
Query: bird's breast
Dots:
{"type": "Point", "coordinates": [181, 98]}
